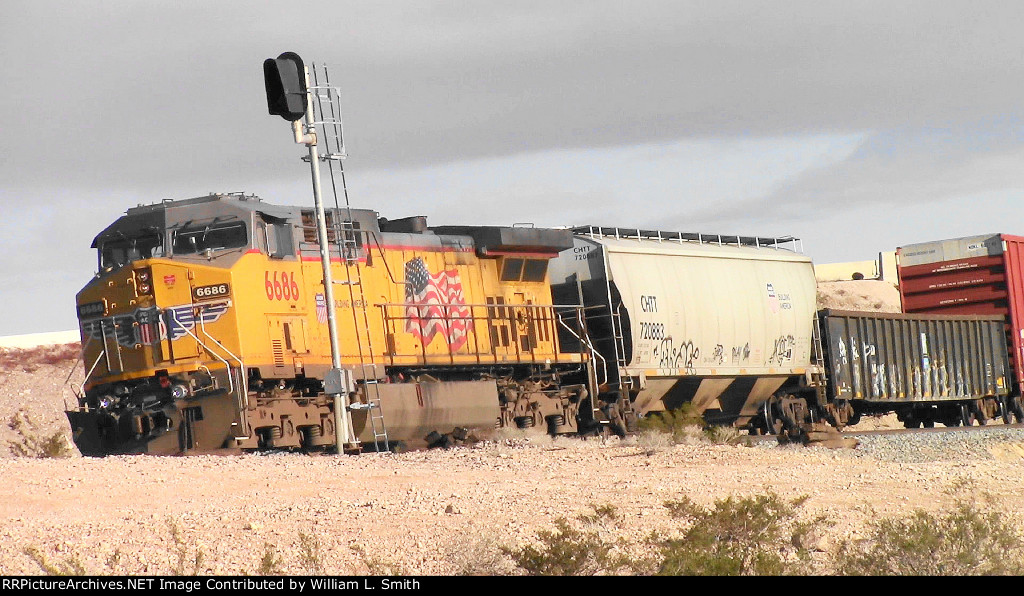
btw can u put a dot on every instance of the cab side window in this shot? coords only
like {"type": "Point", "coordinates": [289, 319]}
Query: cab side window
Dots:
{"type": "Point", "coordinates": [274, 237]}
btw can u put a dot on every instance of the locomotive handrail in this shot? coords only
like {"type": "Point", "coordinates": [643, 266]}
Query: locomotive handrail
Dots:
{"type": "Point", "coordinates": [586, 342]}
{"type": "Point", "coordinates": [546, 321]}
{"type": "Point", "coordinates": [242, 401]}
{"type": "Point", "coordinates": [508, 305]}
{"type": "Point", "coordinates": [89, 374]}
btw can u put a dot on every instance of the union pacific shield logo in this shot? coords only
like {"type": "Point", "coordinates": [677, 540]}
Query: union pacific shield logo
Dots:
{"type": "Point", "coordinates": [182, 319]}
{"type": "Point", "coordinates": [147, 326]}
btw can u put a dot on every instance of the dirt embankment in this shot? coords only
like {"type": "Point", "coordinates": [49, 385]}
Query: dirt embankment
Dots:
{"type": "Point", "coordinates": [859, 295]}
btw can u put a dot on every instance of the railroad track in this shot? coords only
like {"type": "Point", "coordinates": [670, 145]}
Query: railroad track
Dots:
{"type": "Point", "coordinates": [906, 431]}
{"type": "Point", "coordinates": [936, 429]}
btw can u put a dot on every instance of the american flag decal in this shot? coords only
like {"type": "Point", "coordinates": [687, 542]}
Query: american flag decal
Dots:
{"type": "Point", "coordinates": [321, 308]}
{"type": "Point", "coordinates": [435, 305]}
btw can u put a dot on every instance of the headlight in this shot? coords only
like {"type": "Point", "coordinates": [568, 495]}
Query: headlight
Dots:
{"type": "Point", "coordinates": [179, 391]}
{"type": "Point", "coordinates": [106, 401]}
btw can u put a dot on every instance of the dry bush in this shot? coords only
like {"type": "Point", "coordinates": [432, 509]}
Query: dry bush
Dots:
{"type": "Point", "coordinates": [652, 441]}
{"type": "Point", "coordinates": [757, 535]}
{"type": "Point", "coordinates": [571, 550]}
{"type": "Point", "coordinates": [480, 555]}
{"type": "Point", "coordinates": [30, 359]}
{"type": "Point", "coordinates": [683, 426]}
{"type": "Point", "coordinates": [311, 554]}
{"type": "Point", "coordinates": [970, 539]}
{"type": "Point", "coordinates": [69, 566]}
{"type": "Point", "coordinates": [30, 443]}
{"type": "Point", "coordinates": [270, 563]}
{"type": "Point", "coordinates": [185, 563]}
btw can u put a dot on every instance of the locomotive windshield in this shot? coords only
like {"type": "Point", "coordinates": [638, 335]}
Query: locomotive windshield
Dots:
{"type": "Point", "coordinates": [121, 250]}
{"type": "Point", "coordinates": [196, 238]}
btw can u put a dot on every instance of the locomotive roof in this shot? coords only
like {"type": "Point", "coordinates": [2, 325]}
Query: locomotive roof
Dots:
{"type": "Point", "coordinates": [156, 216]}
{"type": "Point", "coordinates": [171, 213]}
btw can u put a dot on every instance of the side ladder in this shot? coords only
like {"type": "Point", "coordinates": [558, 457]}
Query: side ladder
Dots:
{"type": "Point", "coordinates": [350, 246]}
{"type": "Point", "coordinates": [327, 116]}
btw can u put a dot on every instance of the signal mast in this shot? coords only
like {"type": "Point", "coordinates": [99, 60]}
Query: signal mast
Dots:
{"type": "Point", "coordinates": [288, 95]}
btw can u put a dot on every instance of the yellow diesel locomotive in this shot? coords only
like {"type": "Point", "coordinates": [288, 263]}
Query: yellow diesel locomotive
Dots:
{"type": "Point", "coordinates": [205, 329]}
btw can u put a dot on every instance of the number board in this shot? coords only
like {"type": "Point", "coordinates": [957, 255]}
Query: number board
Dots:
{"type": "Point", "coordinates": [210, 292]}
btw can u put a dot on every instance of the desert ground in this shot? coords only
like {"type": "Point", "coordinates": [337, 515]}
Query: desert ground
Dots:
{"type": "Point", "coordinates": [436, 512]}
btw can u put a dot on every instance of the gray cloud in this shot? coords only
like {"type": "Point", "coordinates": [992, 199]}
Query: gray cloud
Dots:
{"type": "Point", "coordinates": [902, 167]}
{"type": "Point", "coordinates": [110, 104]}
{"type": "Point", "coordinates": [132, 95]}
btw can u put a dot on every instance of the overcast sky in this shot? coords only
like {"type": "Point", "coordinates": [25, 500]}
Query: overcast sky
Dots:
{"type": "Point", "coordinates": [857, 126]}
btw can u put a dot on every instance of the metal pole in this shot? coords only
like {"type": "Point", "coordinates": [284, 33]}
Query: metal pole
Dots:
{"type": "Point", "coordinates": [343, 431]}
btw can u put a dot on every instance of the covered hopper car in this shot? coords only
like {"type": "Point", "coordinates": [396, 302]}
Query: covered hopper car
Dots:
{"type": "Point", "coordinates": [723, 322]}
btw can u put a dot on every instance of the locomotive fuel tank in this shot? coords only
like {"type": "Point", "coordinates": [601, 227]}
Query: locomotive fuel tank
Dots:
{"type": "Point", "coordinates": [721, 322]}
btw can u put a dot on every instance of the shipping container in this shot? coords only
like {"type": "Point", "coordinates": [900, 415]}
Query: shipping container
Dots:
{"type": "Point", "coordinates": [978, 275]}
{"type": "Point", "coordinates": [901, 358]}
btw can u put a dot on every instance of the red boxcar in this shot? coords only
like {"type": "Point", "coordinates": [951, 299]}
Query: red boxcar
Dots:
{"type": "Point", "coordinates": [977, 275]}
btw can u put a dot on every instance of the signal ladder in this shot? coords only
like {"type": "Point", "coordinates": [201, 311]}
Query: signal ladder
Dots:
{"type": "Point", "coordinates": [327, 119]}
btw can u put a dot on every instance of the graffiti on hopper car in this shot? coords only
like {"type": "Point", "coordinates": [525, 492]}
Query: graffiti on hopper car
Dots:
{"type": "Point", "coordinates": [741, 353]}
{"type": "Point", "coordinates": [669, 356]}
{"type": "Point", "coordinates": [783, 350]}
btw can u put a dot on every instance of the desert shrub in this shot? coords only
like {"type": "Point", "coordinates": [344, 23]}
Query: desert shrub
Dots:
{"type": "Point", "coordinates": [480, 555]}
{"type": "Point", "coordinates": [968, 540]}
{"type": "Point", "coordinates": [652, 442]}
{"type": "Point", "coordinates": [185, 563]}
{"type": "Point", "coordinates": [311, 554]}
{"type": "Point", "coordinates": [757, 535]}
{"type": "Point", "coordinates": [571, 550]}
{"type": "Point", "coordinates": [270, 563]}
{"type": "Point", "coordinates": [30, 359]}
{"type": "Point", "coordinates": [724, 435]}
{"type": "Point", "coordinates": [69, 566]}
{"type": "Point", "coordinates": [30, 442]}
{"type": "Point", "coordinates": [683, 426]}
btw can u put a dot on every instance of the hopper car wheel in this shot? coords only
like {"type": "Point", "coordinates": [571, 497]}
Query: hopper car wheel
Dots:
{"type": "Point", "coordinates": [928, 423]}
{"type": "Point", "coordinates": [772, 420]}
{"type": "Point", "coordinates": [1004, 410]}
